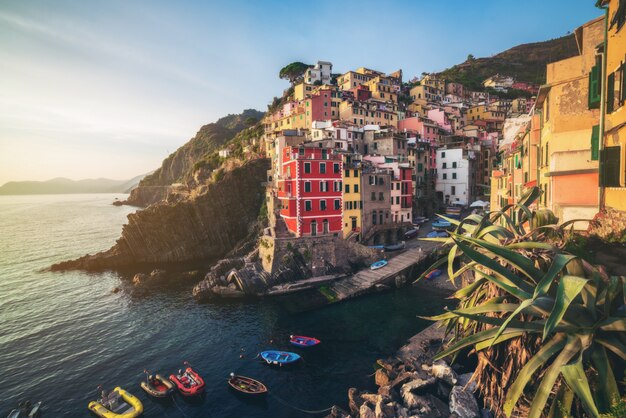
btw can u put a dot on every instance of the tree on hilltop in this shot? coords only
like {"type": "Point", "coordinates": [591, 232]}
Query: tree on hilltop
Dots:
{"type": "Point", "coordinates": [293, 71]}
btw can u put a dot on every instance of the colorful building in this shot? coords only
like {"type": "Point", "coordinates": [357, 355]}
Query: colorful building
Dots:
{"type": "Point", "coordinates": [310, 191]}
{"type": "Point", "coordinates": [352, 200]}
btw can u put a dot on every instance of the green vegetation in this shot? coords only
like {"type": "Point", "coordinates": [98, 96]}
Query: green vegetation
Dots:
{"type": "Point", "coordinates": [525, 62]}
{"type": "Point", "coordinates": [293, 71]}
{"type": "Point", "coordinates": [263, 220]}
{"type": "Point", "coordinates": [546, 325]}
{"type": "Point", "coordinates": [327, 293]}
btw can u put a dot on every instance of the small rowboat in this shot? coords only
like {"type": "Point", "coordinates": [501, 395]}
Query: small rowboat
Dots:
{"type": "Point", "coordinates": [379, 264]}
{"type": "Point", "coordinates": [433, 274]}
{"type": "Point", "coordinates": [117, 404]}
{"type": "Point", "coordinates": [246, 385]}
{"type": "Point", "coordinates": [279, 357]}
{"type": "Point", "coordinates": [157, 386]}
{"type": "Point", "coordinates": [189, 382]}
{"type": "Point", "coordinates": [301, 341]}
{"type": "Point", "coordinates": [395, 247]}
{"type": "Point", "coordinates": [437, 234]}
{"type": "Point", "coordinates": [411, 233]}
{"type": "Point", "coordinates": [441, 224]}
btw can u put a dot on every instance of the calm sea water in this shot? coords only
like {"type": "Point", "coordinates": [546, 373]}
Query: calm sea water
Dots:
{"type": "Point", "coordinates": [63, 334]}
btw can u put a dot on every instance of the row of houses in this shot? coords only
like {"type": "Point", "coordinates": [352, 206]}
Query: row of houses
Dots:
{"type": "Point", "coordinates": [572, 144]}
{"type": "Point", "coordinates": [360, 152]}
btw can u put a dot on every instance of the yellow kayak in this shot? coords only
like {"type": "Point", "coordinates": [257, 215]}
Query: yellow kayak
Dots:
{"type": "Point", "coordinates": [117, 404]}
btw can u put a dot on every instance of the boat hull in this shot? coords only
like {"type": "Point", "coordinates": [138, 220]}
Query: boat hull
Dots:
{"type": "Point", "coordinates": [247, 386]}
{"type": "Point", "coordinates": [162, 390]}
{"type": "Point", "coordinates": [302, 341]}
{"type": "Point", "coordinates": [102, 411]}
{"type": "Point", "coordinates": [279, 358]}
{"type": "Point", "coordinates": [186, 389]}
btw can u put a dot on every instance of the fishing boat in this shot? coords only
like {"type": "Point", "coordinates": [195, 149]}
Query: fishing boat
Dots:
{"type": "Point", "coordinates": [395, 247]}
{"type": "Point", "coordinates": [378, 265]}
{"type": "Point", "coordinates": [279, 357]}
{"type": "Point", "coordinates": [247, 385]}
{"type": "Point", "coordinates": [117, 404]}
{"type": "Point", "coordinates": [188, 382]}
{"type": "Point", "coordinates": [26, 410]}
{"type": "Point", "coordinates": [411, 233]}
{"type": "Point", "coordinates": [157, 386]}
{"type": "Point", "coordinates": [433, 274]}
{"type": "Point", "coordinates": [302, 341]}
{"type": "Point", "coordinates": [441, 225]}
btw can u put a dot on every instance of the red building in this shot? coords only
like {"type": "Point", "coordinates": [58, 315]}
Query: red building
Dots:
{"type": "Point", "coordinates": [310, 191]}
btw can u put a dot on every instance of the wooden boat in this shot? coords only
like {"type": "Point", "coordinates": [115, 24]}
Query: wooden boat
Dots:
{"type": "Point", "coordinates": [302, 341]}
{"type": "Point", "coordinates": [411, 233]}
{"type": "Point", "coordinates": [395, 247]}
{"type": "Point", "coordinates": [437, 234]}
{"type": "Point", "coordinates": [247, 385]}
{"type": "Point", "coordinates": [157, 386]}
{"type": "Point", "coordinates": [189, 382]}
{"type": "Point", "coordinates": [378, 265]}
{"type": "Point", "coordinates": [279, 357]}
{"type": "Point", "coordinates": [441, 224]}
{"type": "Point", "coordinates": [117, 404]}
{"type": "Point", "coordinates": [26, 410]}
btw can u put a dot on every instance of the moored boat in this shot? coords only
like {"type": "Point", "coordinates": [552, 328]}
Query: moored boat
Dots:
{"type": "Point", "coordinates": [302, 341]}
{"type": "Point", "coordinates": [395, 247]}
{"type": "Point", "coordinates": [157, 386]}
{"type": "Point", "coordinates": [117, 404]}
{"type": "Point", "coordinates": [188, 382]}
{"type": "Point", "coordinates": [379, 264]}
{"type": "Point", "coordinates": [279, 357]}
{"type": "Point", "coordinates": [437, 234]}
{"type": "Point", "coordinates": [433, 274]}
{"type": "Point", "coordinates": [411, 233]}
{"type": "Point", "coordinates": [247, 385]}
{"type": "Point", "coordinates": [441, 225]}
{"type": "Point", "coordinates": [26, 410]}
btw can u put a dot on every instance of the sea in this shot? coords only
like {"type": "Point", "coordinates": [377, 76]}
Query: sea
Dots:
{"type": "Point", "coordinates": [64, 334]}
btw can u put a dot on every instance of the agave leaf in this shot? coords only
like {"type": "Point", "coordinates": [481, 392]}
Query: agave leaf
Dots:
{"type": "Point", "coordinates": [614, 344]}
{"type": "Point", "coordinates": [576, 379]}
{"type": "Point", "coordinates": [569, 288]}
{"type": "Point", "coordinates": [571, 348]}
{"type": "Point", "coordinates": [451, 220]}
{"type": "Point", "coordinates": [526, 303]}
{"type": "Point", "coordinates": [611, 293]}
{"type": "Point", "coordinates": [473, 339]}
{"type": "Point", "coordinates": [484, 308]}
{"type": "Point", "coordinates": [548, 349]}
{"type": "Point", "coordinates": [443, 240]}
{"type": "Point", "coordinates": [520, 294]}
{"type": "Point", "coordinates": [532, 245]}
{"type": "Point", "coordinates": [469, 289]}
{"type": "Point", "coordinates": [451, 257]}
{"type": "Point", "coordinates": [530, 196]}
{"type": "Point", "coordinates": [494, 230]}
{"type": "Point", "coordinates": [562, 404]}
{"type": "Point", "coordinates": [607, 385]}
{"type": "Point", "coordinates": [558, 263]}
{"type": "Point", "coordinates": [524, 264]}
{"type": "Point", "coordinates": [613, 324]}
{"type": "Point", "coordinates": [505, 336]}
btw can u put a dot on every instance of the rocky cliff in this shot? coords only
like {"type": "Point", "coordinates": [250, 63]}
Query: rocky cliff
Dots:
{"type": "Point", "coordinates": [179, 167]}
{"type": "Point", "coordinates": [205, 225]}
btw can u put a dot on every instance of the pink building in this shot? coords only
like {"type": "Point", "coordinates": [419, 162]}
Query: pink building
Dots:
{"type": "Point", "coordinates": [440, 118]}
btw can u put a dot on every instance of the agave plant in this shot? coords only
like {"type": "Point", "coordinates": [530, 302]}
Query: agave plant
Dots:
{"type": "Point", "coordinates": [547, 326]}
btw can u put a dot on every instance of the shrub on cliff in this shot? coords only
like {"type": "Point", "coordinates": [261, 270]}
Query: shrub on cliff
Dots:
{"type": "Point", "coordinates": [547, 326]}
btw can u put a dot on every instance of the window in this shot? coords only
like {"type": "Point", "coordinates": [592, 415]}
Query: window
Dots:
{"type": "Point", "coordinates": [454, 165]}
{"type": "Point", "coordinates": [322, 204]}
{"type": "Point", "coordinates": [444, 165]}
{"type": "Point", "coordinates": [337, 186]}
{"type": "Point", "coordinates": [356, 173]}
{"type": "Point", "coordinates": [595, 85]}
{"type": "Point", "coordinates": [374, 218]}
{"type": "Point", "coordinates": [356, 188]}
{"type": "Point", "coordinates": [454, 176]}
{"type": "Point", "coordinates": [610, 175]}
{"type": "Point", "coordinates": [347, 173]}
{"type": "Point", "coordinates": [307, 186]}
{"type": "Point", "coordinates": [337, 204]}
{"type": "Point", "coordinates": [347, 188]}
{"type": "Point", "coordinates": [420, 167]}
{"type": "Point", "coordinates": [322, 168]}
{"type": "Point", "coordinates": [615, 89]}
{"type": "Point", "coordinates": [300, 151]}
{"type": "Point", "coordinates": [381, 181]}
{"type": "Point", "coordinates": [445, 176]}
{"type": "Point", "coordinates": [307, 206]}
{"type": "Point", "coordinates": [595, 142]}
{"type": "Point", "coordinates": [453, 190]}
{"type": "Point", "coordinates": [373, 195]}
{"type": "Point", "coordinates": [307, 168]}
{"type": "Point", "coordinates": [323, 186]}
{"type": "Point", "coordinates": [335, 168]}
{"type": "Point", "coordinates": [381, 196]}
{"type": "Point", "coordinates": [443, 154]}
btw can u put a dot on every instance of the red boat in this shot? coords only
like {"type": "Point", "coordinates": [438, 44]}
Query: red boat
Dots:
{"type": "Point", "coordinates": [301, 341]}
{"type": "Point", "coordinates": [189, 382]}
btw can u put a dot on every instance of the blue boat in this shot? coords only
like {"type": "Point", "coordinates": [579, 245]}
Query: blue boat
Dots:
{"type": "Point", "coordinates": [379, 264]}
{"type": "Point", "coordinates": [437, 234]}
{"type": "Point", "coordinates": [441, 224]}
{"type": "Point", "coordinates": [279, 357]}
{"type": "Point", "coordinates": [433, 274]}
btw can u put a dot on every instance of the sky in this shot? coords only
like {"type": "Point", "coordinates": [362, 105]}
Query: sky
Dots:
{"type": "Point", "coordinates": [93, 89]}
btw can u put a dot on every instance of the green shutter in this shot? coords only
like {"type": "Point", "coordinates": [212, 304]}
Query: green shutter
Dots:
{"type": "Point", "coordinates": [594, 87]}
{"type": "Point", "coordinates": [610, 93]}
{"type": "Point", "coordinates": [622, 99]}
{"type": "Point", "coordinates": [595, 142]}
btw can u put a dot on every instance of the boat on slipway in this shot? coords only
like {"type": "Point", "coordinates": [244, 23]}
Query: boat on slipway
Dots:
{"type": "Point", "coordinates": [378, 265]}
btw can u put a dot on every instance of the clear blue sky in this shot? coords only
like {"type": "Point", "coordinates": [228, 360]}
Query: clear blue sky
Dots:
{"type": "Point", "coordinates": [109, 88]}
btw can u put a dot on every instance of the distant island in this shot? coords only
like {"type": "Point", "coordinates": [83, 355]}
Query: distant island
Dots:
{"type": "Point", "coordinates": [62, 185]}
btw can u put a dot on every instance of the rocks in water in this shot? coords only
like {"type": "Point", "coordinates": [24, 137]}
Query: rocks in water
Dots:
{"type": "Point", "coordinates": [354, 401]}
{"type": "Point", "coordinates": [464, 380]}
{"type": "Point", "coordinates": [463, 403]}
{"type": "Point", "coordinates": [337, 412]}
{"type": "Point", "coordinates": [142, 279]}
{"type": "Point", "coordinates": [366, 412]}
{"type": "Point", "coordinates": [384, 409]}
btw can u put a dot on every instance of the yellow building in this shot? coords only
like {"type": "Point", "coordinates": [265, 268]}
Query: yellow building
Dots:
{"type": "Point", "coordinates": [568, 166]}
{"type": "Point", "coordinates": [484, 112]}
{"type": "Point", "coordinates": [383, 89]}
{"type": "Point", "coordinates": [353, 79]}
{"type": "Point", "coordinates": [302, 91]}
{"type": "Point", "coordinates": [369, 113]}
{"type": "Point", "coordinates": [352, 201]}
{"type": "Point", "coordinates": [613, 143]}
